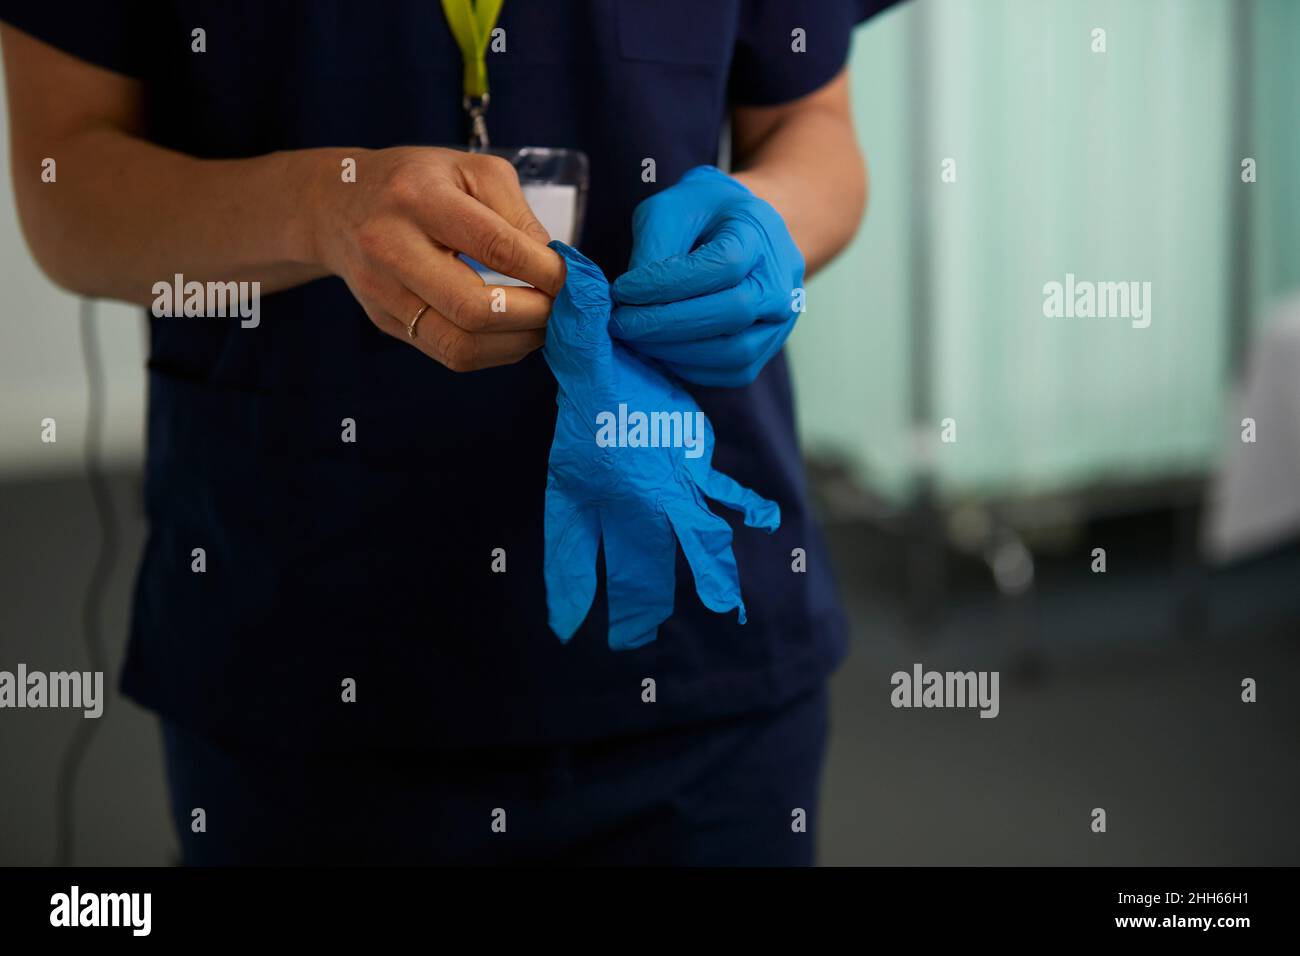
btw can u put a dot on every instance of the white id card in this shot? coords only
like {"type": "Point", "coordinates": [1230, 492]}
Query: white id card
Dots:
{"type": "Point", "coordinates": [554, 183]}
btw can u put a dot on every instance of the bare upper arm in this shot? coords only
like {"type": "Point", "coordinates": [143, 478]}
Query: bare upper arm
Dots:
{"type": "Point", "coordinates": [52, 95]}
{"type": "Point", "coordinates": [52, 98]}
{"type": "Point", "coordinates": [751, 125]}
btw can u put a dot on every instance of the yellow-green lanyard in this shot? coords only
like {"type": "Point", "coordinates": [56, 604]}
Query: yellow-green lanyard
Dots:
{"type": "Point", "coordinates": [471, 23]}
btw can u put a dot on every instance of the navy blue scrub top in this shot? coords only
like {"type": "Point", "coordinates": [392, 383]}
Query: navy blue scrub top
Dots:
{"type": "Point", "coordinates": [373, 560]}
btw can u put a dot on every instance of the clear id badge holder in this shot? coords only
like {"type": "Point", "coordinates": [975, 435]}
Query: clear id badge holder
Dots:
{"type": "Point", "coordinates": [554, 183]}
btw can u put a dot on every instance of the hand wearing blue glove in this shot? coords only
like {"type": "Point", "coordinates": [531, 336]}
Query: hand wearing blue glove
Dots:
{"type": "Point", "coordinates": [638, 483]}
{"type": "Point", "coordinates": [709, 289]}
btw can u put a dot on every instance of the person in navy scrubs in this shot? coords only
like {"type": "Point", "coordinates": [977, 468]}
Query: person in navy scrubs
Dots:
{"type": "Point", "coordinates": [344, 673]}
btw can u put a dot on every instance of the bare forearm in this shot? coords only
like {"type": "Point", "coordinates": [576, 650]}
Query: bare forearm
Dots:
{"type": "Point", "coordinates": [121, 214]}
{"type": "Point", "coordinates": [810, 168]}
{"type": "Point", "coordinates": [124, 213]}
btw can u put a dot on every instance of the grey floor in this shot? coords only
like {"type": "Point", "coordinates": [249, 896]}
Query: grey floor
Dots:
{"type": "Point", "coordinates": [1119, 711]}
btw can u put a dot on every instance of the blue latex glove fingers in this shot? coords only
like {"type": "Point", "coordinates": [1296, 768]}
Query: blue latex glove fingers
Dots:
{"type": "Point", "coordinates": [640, 572]}
{"type": "Point", "coordinates": [758, 511]}
{"type": "Point", "coordinates": [710, 242]}
{"type": "Point", "coordinates": [737, 377]}
{"type": "Point", "coordinates": [721, 313]}
{"type": "Point", "coordinates": [706, 542]}
{"type": "Point", "coordinates": [572, 534]}
{"type": "Point", "coordinates": [728, 252]}
{"type": "Point", "coordinates": [670, 223]}
{"type": "Point", "coordinates": [754, 344]}
{"type": "Point", "coordinates": [711, 340]}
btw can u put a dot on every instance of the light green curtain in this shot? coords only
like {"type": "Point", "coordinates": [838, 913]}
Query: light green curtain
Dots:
{"type": "Point", "coordinates": [1114, 166]}
{"type": "Point", "coordinates": [850, 350]}
{"type": "Point", "coordinates": [1275, 139]}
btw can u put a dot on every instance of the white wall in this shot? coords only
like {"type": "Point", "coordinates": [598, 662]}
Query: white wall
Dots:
{"type": "Point", "coordinates": [41, 370]}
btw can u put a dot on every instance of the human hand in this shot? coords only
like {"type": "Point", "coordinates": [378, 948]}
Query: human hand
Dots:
{"type": "Point", "coordinates": [709, 288]}
{"type": "Point", "coordinates": [394, 237]}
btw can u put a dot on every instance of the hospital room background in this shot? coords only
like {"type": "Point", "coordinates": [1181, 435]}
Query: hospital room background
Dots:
{"type": "Point", "coordinates": [1105, 510]}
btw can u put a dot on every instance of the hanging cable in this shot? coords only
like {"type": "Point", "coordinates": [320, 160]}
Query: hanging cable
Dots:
{"type": "Point", "coordinates": [101, 573]}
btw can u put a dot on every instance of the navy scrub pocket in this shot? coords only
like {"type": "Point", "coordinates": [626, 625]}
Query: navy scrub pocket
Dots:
{"type": "Point", "coordinates": [680, 33]}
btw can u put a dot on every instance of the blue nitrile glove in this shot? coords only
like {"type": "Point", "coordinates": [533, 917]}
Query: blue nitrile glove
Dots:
{"type": "Point", "coordinates": [709, 289]}
{"type": "Point", "coordinates": [634, 497]}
